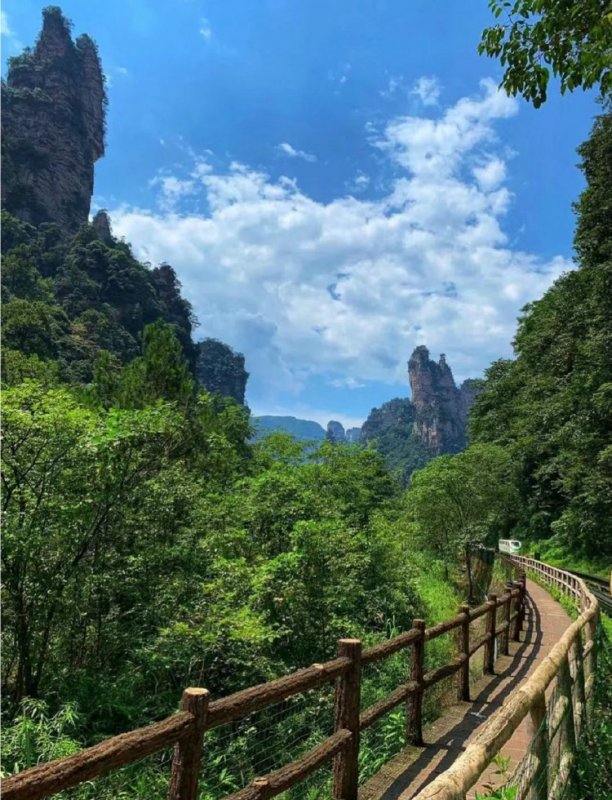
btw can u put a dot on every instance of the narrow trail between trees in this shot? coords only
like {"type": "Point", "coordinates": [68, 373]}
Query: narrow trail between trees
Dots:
{"type": "Point", "coordinates": [414, 767]}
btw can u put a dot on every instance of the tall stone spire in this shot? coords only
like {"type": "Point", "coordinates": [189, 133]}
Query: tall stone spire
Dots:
{"type": "Point", "coordinates": [53, 127]}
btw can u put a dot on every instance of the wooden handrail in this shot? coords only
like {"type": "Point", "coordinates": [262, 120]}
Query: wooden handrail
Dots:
{"type": "Point", "coordinates": [63, 773]}
{"type": "Point", "coordinates": [529, 698]}
{"type": "Point", "coordinates": [186, 728]}
{"type": "Point", "coordinates": [240, 704]}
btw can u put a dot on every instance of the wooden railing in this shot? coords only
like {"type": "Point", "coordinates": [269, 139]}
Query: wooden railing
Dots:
{"type": "Point", "coordinates": [185, 730]}
{"type": "Point", "coordinates": [555, 717]}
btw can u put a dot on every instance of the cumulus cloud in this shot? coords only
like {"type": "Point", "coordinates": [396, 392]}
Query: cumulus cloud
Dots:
{"type": "Point", "coordinates": [344, 290]}
{"type": "Point", "coordinates": [171, 190]}
{"type": "Point", "coordinates": [427, 90]}
{"type": "Point", "coordinates": [288, 150]}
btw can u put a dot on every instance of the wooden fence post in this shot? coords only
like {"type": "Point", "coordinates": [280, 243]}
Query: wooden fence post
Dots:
{"type": "Point", "coordinates": [489, 650]}
{"type": "Point", "coordinates": [516, 635]}
{"type": "Point", "coordinates": [539, 738]}
{"type": "Point", "coordinates": [578, 694]}
{"type": "Point", "coordinates": [505, 640]}
{"type": "Point", "coordinates": [590, 630]}
{"type": "Point", "coordinates": [188, 750]}
{"type": "Point", "coordinates": [464, 650]}
{"type": "Point", "coordinates": [415, 707]}
{"type": "Point", "coordinates": [564, 682]}
{"type": "Point", "coordinates": [348, 699]}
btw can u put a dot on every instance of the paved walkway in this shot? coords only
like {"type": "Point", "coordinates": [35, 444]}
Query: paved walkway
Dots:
{"type": "Point", "coordinates": [413, 768]}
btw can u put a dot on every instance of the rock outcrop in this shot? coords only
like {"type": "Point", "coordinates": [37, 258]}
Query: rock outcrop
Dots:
{"type": "Point", "coordinates": [220, 369]}
{"type": "Point", "coordinates": [440, 407]}
{"type": "Point", "coordinates": [353, 435]}
{"type": "Point", "coordinates": [335, 432]}
{"type": "Point", "coordinates": [53, 116]}
{"type": "Point", "coordinates": [409, 433]}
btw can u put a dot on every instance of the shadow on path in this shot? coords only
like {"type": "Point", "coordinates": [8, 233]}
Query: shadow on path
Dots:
{"type": "Point", "coordinates": [453, 741]}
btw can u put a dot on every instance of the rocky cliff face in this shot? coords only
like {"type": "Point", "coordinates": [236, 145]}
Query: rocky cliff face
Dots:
{"type": "Point", "coordinates": [220, 369]}
{"type": "Point", "coordinates": [440, 407]}
{"type": "Point", "coordinates": [353, 435]}
{"type": "Point", "coordinates": [336, 433]}
{"type": "Point", "coordinates": [53, 127]}
{"type": "Point", "coordinates": [409, 433]}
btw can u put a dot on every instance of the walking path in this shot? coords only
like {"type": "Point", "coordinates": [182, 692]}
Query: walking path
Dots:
{"type": "Point", "coordinates": [414, 767]}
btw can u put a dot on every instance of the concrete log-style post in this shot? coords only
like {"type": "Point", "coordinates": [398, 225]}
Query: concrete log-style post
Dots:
{"type": "Point", "coordinates": [516, 631]}
{"type": "Point", "coordinates": [539, 739]}
{"type": "Point", "coordinates": [564, 684]}
{"type": "Point", "coordinates": [188, 750]}
{"type": "Point", "coordinates": [522, 599]}
{"type": "Point", "coordinates": [348, 700]}
{"type": "Point", "coordinates": [590, 664]}
{"type": "Point", "coordinates": [464, 650]}
{"type": "Point", "coordinates": [579, 693]}
{"type": "Point", "coordinates": [415, 704]}
{"type": "Point", "coordinates": [505, 639]}
{"type": "Point", "coordinates": [489, 649]}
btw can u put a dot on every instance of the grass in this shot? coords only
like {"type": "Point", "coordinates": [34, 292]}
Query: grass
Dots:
{"type": "Point", "coordinates": [558, 556]}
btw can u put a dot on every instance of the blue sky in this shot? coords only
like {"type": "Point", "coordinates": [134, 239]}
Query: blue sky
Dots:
{"type": "Point", "coordinates": [334, 182]}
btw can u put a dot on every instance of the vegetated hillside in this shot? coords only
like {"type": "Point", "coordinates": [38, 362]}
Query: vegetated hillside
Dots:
{"type": "Point", "coordinates": [69, 299]}
{"type": "Point", "coordinates": [409, 433]}
{"type": "Point", "coordinates": [72, 293]}
{"type": "Point", "coordinates": [551, 407]}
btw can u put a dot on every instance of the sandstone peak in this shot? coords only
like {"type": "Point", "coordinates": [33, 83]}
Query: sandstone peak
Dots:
{"type": "Point", "coordinates": [54, 106]}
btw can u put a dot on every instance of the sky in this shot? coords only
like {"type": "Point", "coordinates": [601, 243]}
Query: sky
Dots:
{"type": "Point", "coordinates": [335, 183]}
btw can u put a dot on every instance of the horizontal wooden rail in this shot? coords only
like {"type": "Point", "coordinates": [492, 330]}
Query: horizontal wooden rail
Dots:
{"type": "Point", "coordinates": [445, 671]}
{"type": "Point", "coordinates": [240, 704]}
{"type": "Point", "coordinates": [388, 703]}
{"type": "Point", "coordinates": [185, 729]}
{"type": "Point", "coordinates": [391, 646]}
{"type": "Point", "coordinates": [443, 627]}
{"type": "Point", "coordinates": [288, 776]}
{"type": "Point", "coordinates": [479, 611]}
{"type": "Point", "coordinates": [63, 773]}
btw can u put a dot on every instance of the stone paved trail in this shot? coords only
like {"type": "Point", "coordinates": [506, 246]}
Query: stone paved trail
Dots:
{"type": "Point", "coordinates": [410, 771]}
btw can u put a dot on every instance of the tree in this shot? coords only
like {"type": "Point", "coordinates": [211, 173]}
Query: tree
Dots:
{"type": "Point", "coordinates": [78, 487]}
{"type": "Point", "coordinates": [458, 501]}
{"type": "Point", "coordinates": [551, 407]}
{"type": "Point", "coordinates": [571, 37]}
{"type": "Point", "coordinates": [161, 373]}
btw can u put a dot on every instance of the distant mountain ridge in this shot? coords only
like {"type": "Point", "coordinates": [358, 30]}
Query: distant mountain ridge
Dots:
{"type": "Point", "coordinates": [304, 430]}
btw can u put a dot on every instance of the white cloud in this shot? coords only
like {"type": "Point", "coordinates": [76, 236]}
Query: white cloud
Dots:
{"type": "Point", "coordinates": [344, 290]}
{"type": "Point", "coordinates": [5, 28]}
{"type": "Point", "coordinates": [205, 29]}
{"type": "Point", "coordinates": [113, 72]}
{"type": "Point", "coordinates": [12, 42]}
{"type": "Point", "coordinates": [428, 90]}
{"type": "Point", "coordinates": [360, 182]}
{"type": "Point", "coordinates": [288, 150]}
{"type": "Point", "coordinates": [172, 190]}
{"type": "Point", "coordinates": [490, 174]}
{"type": "Point", "coordinates": [434, 148]}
